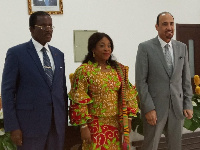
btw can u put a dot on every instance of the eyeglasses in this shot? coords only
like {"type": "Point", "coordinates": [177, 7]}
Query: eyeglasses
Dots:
{"type": "Point", "coordinates": [45, 27]}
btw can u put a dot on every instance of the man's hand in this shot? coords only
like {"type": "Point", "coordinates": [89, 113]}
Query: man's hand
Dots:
{"type": "Point", "coordinates": [151, 117]}
{"type": "Point", "coordinates": [16, 137]}
{"type": "Point", "coordinates": [188, 113]}
{"type": "Point", "coordinates": [86, 135]}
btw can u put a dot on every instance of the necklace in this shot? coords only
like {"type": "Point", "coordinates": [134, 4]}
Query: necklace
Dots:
{"type": "Point", "coordinates": [107, 67]}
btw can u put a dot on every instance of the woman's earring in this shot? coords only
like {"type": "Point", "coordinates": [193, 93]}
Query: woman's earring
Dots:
{"type": "Point", "coordinates": [93, 54]}
{"type": "Point", "coordinates": [107, 62]}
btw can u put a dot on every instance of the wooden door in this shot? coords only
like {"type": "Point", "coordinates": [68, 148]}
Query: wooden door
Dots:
{"type": "Point", "coordinates": [190, 35]}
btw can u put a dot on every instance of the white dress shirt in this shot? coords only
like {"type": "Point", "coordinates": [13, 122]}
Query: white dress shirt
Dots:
{"type": "Point", "coordinates": [163, 43]}
{"type": "Point", "coordinates": [38, 48]}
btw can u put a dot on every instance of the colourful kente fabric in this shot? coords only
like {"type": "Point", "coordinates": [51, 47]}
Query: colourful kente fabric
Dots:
{"type": "Point", "coordinates": [95, 99]}
{"type": "Point", "coordinates": [123, 111]}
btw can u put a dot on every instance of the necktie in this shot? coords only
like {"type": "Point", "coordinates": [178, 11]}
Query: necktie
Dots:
{"type": "Point", "coordinates": [47, 66]}
{"type": "Point", "coordinates": [168, 58]}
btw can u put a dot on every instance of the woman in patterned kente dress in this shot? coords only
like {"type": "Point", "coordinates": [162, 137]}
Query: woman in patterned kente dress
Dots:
{"type": "Point", "coordinates": [103, 101]}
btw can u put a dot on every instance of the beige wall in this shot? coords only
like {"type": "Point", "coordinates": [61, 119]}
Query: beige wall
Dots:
{"type": "Point", "coordinates": [128, 22]}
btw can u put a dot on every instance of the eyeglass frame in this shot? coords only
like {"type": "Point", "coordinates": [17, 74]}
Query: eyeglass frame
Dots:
{"type": "Point", "coordinates": [45, 27]}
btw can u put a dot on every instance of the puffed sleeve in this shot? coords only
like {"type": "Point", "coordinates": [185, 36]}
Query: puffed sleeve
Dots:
{"type": "Point", "coordinates": [79, 98]}
{"type": "Point", "coordinates": [131, 100]}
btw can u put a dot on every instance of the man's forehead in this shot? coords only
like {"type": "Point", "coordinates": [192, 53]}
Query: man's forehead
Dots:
{"type": "Point", "coordinates": [166, 17]}
{"type": "Point", "coordinates": [43, 18]}
{"type": "Point", "coordinates": [163, 14]}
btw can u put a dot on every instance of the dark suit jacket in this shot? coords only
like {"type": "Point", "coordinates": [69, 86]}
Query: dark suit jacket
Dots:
{"type": "Point", "coordinates": [27, 98]}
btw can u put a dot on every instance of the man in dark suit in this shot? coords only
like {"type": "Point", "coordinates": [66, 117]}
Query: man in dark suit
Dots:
{"type": "Point", "coordinates": [34, 93]}
{"type": "Point", "coordinates": [164, 85]}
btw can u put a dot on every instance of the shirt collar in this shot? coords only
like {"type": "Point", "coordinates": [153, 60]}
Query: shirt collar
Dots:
{"type": "Point", "coordinates": [38, 46]}
{"type": "Point", "coordinates": [163, 43]}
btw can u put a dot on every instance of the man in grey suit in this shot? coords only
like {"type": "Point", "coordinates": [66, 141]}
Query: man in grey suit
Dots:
{"type": "Point", "coordinates": [164, 85]}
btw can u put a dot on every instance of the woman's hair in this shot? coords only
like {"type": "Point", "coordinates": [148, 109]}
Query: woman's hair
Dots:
{"type": "Point", "coordinates": [92, 42]}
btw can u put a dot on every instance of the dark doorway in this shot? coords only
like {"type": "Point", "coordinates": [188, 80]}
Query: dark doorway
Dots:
{"type": "Point", "coordinates": [190, 35]}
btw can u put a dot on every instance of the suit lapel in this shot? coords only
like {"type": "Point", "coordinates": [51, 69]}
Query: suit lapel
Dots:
{"type": "Point", "coordinates": [54, 55]}
{"type": "Point", "coordinates": [32, 51]}
{"type": "Point", "coordinates": [160, 54]}
{"type": "Point", "coordinates": [175, 51]}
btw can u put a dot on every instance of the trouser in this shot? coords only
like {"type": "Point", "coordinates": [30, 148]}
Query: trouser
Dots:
{"type": "Point", "coordinates": [52, 141]}
{"type": "Point", "coordinates": [172, 128]}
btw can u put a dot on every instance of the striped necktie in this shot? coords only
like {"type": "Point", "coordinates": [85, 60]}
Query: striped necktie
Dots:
{"type": "Point", "coordinates": [168, 58]}
{"type": "Point", "coordinates": [47, 66]}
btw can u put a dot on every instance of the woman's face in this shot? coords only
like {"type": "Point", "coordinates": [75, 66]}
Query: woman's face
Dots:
{"type": "Point", "coordinates": [102, 50]}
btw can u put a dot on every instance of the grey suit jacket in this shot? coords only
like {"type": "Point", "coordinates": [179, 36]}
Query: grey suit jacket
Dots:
{"type": "Point", "coordinates": [154, 84]}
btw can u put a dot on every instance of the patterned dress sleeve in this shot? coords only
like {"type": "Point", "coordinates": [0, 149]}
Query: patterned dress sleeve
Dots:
{"type": "Point", "coordinates": [131, 98]}
{"type": "Point", "coordinates": [79, 98]}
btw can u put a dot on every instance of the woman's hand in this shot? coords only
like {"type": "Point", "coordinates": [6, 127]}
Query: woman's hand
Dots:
{"type": "Point", "coordinates": [86, 135]}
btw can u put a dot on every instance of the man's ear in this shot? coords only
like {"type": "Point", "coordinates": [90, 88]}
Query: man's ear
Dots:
{"type": "Point", "coordinates": [156, 26]}
{"type": "Point", "coordinates": [31, 29]}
